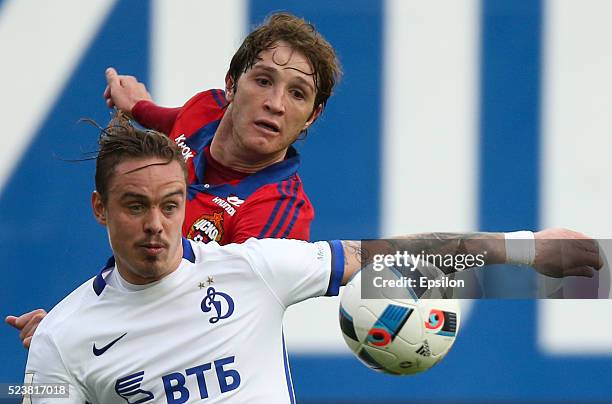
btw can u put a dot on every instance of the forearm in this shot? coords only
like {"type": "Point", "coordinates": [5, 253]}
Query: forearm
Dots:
{"type": "Point", "coordinates": [155, 117]}
{"type": "Point", "coordinates": [552, 252]}
{"type": "Point", "coordinates": [489, 247]}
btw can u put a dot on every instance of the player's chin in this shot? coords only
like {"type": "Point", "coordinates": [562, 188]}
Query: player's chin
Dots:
{"type": "Point", "coordinates": [152, 269]}
{"type": "Point", "coordinates": [266, 146]}
{"type": "Point", "coordinates": [154, 259]}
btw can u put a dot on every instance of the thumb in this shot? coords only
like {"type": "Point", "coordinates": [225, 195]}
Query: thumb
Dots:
{"type": "Point", "coordinates": [111, 75]}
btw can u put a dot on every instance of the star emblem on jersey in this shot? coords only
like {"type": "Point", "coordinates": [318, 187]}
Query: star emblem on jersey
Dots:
{"type": "Point", "coordinates": [210, 280]}
{"type": "Point", "coordinates": [100, 351]}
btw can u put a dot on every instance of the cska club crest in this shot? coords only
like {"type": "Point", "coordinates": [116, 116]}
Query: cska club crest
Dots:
{"type": "Point", "coordinates": [207, 228]}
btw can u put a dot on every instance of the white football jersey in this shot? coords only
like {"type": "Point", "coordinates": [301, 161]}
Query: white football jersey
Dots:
{"type": "Point", "coordinates": [211, 331]}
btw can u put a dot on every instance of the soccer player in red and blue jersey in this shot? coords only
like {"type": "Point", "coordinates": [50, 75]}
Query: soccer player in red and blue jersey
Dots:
{"type": "Point", "coordinates": [243, 179]}
{"type": "Point", "coordinates": [228, 205]}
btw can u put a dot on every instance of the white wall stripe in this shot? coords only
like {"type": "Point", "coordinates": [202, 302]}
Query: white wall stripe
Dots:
{"type": "Point", "coordinates": [430, 116]}
{"type": "Point", "coordinates": [577, 142]}
{"type": "Point", "coordinates": [192, 44]}
{"type": "Point", "coordinates": [39, 49]}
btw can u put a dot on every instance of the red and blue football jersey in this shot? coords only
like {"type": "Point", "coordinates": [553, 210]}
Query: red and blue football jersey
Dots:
{"type": "Point", "coordinates": [224, 205]}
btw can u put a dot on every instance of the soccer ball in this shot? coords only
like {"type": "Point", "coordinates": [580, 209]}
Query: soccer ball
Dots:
{"type": "Point", "coordinates": [397, 336]}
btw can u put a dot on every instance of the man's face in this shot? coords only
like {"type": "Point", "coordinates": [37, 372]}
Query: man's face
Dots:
{"type": "Point", "coordinates": [143, 214]}
{"type": "Point", "coordinates": [273, 101]}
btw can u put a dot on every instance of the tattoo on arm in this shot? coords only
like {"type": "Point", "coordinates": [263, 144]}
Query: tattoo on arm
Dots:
{"type": "Point", "coordinates": [432, 246]}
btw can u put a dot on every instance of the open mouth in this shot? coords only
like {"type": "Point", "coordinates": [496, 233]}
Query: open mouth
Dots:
{"type": "Point", "coordinates": [268, 126]}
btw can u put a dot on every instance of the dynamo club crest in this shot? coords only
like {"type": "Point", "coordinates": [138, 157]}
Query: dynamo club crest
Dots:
{"type": "Point", "coordinates": [220, 302]}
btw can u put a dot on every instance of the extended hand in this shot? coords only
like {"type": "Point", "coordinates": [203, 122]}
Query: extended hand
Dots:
{"type": "Point", "coordinates": [27, 324]}
{"type": "Point", "coordinates": [124, 92]}
{"type": "Point", "coordinates": [561, 252]}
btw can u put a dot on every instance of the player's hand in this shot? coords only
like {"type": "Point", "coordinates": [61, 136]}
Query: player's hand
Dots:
{"type": "Point", "coordinates": [27, 324]}
{"type": "Point", "coordinates": [124, 92]}
{"type": "Point", "coordinates": [561, 252]}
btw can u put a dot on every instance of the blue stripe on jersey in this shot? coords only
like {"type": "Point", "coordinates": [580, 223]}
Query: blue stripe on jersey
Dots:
{"type": "Point", "coordinates": [288, 372]}
{"type": "Point", "coordinates": [337, 268]}
{"type": "Point", "coordinates": [274, 210]}
{"type": "Point", "coordinates": [292, 195]}
{"type": "Point", "coordinates": [277, 172]}
{"type": "Point", "coordinates": [198, 141]}
{"type": "Point", "coordinates": [188, 253]}
{"type": "Point", "coordinates": [219, 97]}
{"type": "Point", "coordinates": [99, 283]}
{"type": "Point", "coordinates": [296, 213]}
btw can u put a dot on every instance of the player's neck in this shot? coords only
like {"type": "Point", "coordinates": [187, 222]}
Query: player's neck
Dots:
{"type": "Point", "coordinates": [227, 151]}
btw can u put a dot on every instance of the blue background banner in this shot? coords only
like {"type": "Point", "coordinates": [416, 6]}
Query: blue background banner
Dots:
{"type": "Point", "coordinates": [531, 154]}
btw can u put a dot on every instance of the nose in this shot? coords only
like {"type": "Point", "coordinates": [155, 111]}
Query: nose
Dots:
{"type": "Point", "coordinates": [153, 222]}
{"type": "Point", "coordinates": [274, 101]}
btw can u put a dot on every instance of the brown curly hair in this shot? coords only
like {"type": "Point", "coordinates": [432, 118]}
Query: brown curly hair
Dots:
{"type": "Point", "coordinates": [301, 36]}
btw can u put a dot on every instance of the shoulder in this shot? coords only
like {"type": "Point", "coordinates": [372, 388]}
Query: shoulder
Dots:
{"type": "Point", "coordinates": [231, 261]}
{"type": "Point", "coordinates": [204, 253]}
{"type": "Point", "coordinates": [67, 310]}
{"type": "Point", "coordinates": [288, 187]}
{"type": "Point", "coordinates": [287, 195]}
{"type": "Point", "coordinates": [209, 100]}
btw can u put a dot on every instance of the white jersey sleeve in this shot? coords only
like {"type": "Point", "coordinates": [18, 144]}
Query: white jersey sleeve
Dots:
{"type": "Point", "coordinates": [44, 366]}
{"type": "Point", "coordinates": [296, 270]}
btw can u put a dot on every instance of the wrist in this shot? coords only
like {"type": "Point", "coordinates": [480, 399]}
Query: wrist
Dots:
{"type": "Point", "coordinates": [139, 108]}
{"type": "Point", "coordinates": [520, 248]}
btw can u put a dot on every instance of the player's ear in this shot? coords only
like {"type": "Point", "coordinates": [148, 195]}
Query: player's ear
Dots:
{"type": "Point", "coordinates": [98, 208]}
{"type": "Point", "coordinates": [313, 117]}
{"type": "Point", "coordinates": [230, 87]}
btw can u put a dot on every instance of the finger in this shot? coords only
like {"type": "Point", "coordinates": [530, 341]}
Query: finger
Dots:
{"type": "Point", "coordinates": [25, 318]}
{"type": "Point", "coordinates": [592, 259]}
{"type": "Point", "coordinates": [599, 262]}
{"type": "Point", "coordinates": [27, 342]}
{"type": "Point", "coordinates": [584, 271]}
{"type": "Point", "coordinates": [107, 92]}
{"type": "Point", "coordinates": [29, 329]}
{"type": "Point", "coordinates": [11, 320]}
{"type": "Point", "coordinates": [22, 320]}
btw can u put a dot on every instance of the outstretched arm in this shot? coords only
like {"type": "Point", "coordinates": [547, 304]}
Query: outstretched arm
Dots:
{"type": "Point", "coordinates": [558, 252]}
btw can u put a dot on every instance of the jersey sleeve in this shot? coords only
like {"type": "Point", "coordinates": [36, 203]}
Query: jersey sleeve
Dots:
{"type": "Point", "coordinates": [44, 366]}
{"type": "Point", "coordinates": [274, 213]}
{"type": "Point", "coordinates": [296, 270]}
{"type": "Point", "coordinates": [152, 116]}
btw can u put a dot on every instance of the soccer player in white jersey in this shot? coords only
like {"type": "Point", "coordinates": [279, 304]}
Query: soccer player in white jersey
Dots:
{"type": "Point", "coordinates": [173, 321]}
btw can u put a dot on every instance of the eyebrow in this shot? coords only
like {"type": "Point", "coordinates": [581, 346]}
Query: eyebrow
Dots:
{"type": "Point", "coordinates": [299, 78]}
{"type": "Point", "coordinates": [136, 195]}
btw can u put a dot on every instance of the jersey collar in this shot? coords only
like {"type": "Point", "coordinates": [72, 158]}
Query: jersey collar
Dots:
{"type": "Point", "coordinates": [99, 282]}
{"type": "Point", "coordinates": [272, 174]}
